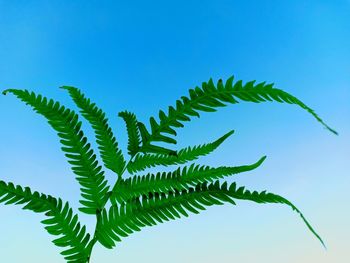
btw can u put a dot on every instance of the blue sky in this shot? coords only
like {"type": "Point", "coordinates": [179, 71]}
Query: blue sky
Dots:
{"type": "Point", "coordinates": [142, 56]}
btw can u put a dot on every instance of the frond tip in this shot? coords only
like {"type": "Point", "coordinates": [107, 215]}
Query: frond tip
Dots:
{"type": "Point", "coordinates": [264, 197]}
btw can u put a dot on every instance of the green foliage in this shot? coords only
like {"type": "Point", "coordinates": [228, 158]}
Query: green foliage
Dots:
{"type": "Point", "coordinates": [176, 180]}
{"type": "Point", "coordinates": [78, 151]}
{"type": "Point", "coordinates": [112, 157]}
{"type": "Point", "coordinates": [157, 207]}
{"type": "Point", "coordinates": [142, 162]}
{"type": "Point", "coordinates": [61, 221]}
{"type": "Point", "coordinates": [140, 200]}
{"type": "Point", "coordinates": [210, 97]}
{"type": "Point", "coordinates": [134, 140]}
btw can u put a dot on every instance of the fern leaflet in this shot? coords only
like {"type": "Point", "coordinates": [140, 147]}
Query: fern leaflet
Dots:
{"type": "Point", "coordinates": [153, 208]}
{"type": "Point", "coordinates": [133, 131]}
{"type": "Point", "coordinates": [61, 221]}
{"type": "Point", "coordinates": [111, 155]}
{"type": "Point", "coordinates": [78, 151]}
{"type": "Point", "coordinates": [210, 97]}
{"type": "Point", "coordinates": [145, 161]}
{"type": "Point", "coordinates": [176, 180]}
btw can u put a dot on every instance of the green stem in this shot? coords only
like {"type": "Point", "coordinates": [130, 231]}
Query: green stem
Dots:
{"type": "Point", "coordinates": [94, 240]}
{"type": "Point", "coordinates": [98, 213]}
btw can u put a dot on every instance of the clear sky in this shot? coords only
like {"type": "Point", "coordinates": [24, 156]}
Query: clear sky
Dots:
{"type": "Point", "coordinates": [142, 56]}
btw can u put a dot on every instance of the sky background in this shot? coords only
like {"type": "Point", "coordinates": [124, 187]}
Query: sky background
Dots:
{"type": "Point", "coordinates": [142, 56]}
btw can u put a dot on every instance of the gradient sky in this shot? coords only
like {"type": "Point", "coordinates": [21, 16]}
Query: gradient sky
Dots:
{"type": "Point", "coordinates": [142, 56]}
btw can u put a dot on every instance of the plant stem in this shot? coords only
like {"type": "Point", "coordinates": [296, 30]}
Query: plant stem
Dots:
{"type": "Point", "coordinates": [98, 213]}
{"type": "Point", "coordinates": [94, 239]}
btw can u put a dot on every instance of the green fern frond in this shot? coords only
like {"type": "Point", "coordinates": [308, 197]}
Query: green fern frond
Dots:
{"type": "Point", "coordinates": [184, 155]}
{"type": "Point", "coordinates": [111, 155]}
{"type": "Point", "coordinates": [155, 208]}
{"type": "Point", "coordinates": [210, 97]}
{"type": "Point", "coordinates": [142, 200]}
{"type": "Point", "coordinates": [61, 221]}
{"type": "Point", "coordinates": [176, 180]}
{"type": "Point", "coordinates": [78, 151]}
{"type": "Point", "coordinates": [134, 140]}
{"type": "Point", "coordinates": [128, 217]}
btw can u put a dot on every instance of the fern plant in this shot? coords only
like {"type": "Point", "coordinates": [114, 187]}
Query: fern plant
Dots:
{"type": "Point", "coordinates": [141, 199]}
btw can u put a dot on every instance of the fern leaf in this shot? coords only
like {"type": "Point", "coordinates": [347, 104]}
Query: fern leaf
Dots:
{"type": "Point", "coordinates": [126, 218]}
{"type": "Point", "coordinates": [178, 179]}
{"type": "Point", "coordinates": [134, 140]}
{"type": "Point", "coordinates": [111, 155]}
{"type": "Point", "coordinates": [142, 162]}
{"type": "Point", "coordinates": [154, 208]}
{"type": "Point", "coordinates": [78, 151]}
{"type": "Point", "coordinates": [209, 97]}
{"type": "Point", "coordinates": [61, 221]}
